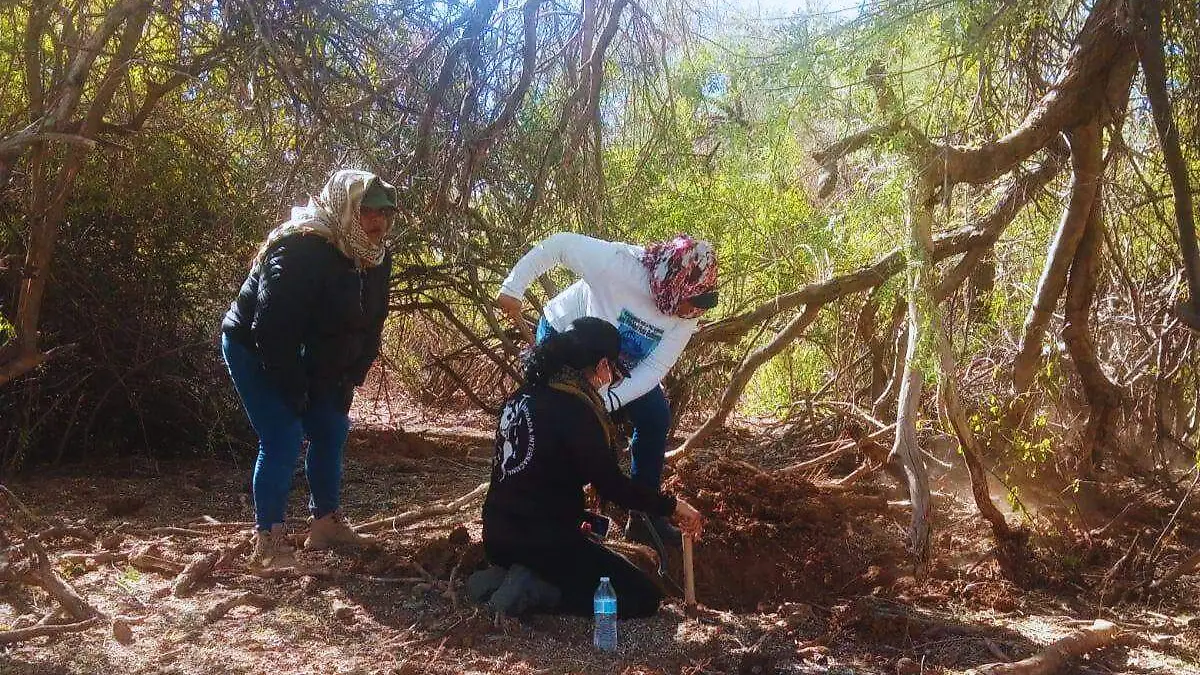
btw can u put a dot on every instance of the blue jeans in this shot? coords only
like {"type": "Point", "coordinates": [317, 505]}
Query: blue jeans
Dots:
{"type": "Point", "coordinates": [651, 417]}
{"type": "Point", "coordinates": [281, 433]}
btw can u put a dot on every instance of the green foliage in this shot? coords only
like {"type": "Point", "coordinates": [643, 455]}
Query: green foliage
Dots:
{"type": "Point", "coordinates": [712, 136]}
{"type": "Point", "coordinates": [155, 245]}
{"type": "Point", "coordinates": [130, 576]}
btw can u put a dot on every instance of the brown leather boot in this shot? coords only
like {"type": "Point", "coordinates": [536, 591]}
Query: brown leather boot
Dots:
{"type": "Point", "coordinates": [333, 530]}
{"type": "Point", "coordinates": [272, 549]}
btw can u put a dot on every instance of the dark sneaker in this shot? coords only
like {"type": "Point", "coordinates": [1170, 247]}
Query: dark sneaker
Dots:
{"type": "Point", "coordinates": [638, 530]}
{"type": "Point", "coordinates": [523, 592]}
{"type": "Point", "coordinates": [483, 583]}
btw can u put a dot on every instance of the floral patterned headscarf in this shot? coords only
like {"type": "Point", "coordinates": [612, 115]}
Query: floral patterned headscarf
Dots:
{"type": "Point", "coordinates": [333, 215]}
{"type": "Point", "coordinates": [680, 268]}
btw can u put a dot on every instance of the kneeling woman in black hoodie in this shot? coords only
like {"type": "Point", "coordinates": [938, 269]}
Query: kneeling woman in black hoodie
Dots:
{"type": "Point", "coordinates": [553, 439]}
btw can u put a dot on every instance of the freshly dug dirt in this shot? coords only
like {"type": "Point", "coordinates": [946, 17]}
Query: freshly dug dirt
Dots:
{"type": "Point", "coordinates": [441, 555]}
{"type": "Point", "coordinates": [772, 537]}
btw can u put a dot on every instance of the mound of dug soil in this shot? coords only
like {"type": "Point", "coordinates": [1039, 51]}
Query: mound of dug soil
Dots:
{"type": "Point", "coordinates": [773, 538]}
{"type": "Point", "coordinates": [441, 555]}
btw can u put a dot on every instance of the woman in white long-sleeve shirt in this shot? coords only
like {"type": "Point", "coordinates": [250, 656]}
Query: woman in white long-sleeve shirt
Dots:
{"type": "Point", "coordinates": [654, 296]}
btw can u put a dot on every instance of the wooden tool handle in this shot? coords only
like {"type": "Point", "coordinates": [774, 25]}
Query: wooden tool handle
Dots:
{"type": "Point", "coordinates": [689, 573]}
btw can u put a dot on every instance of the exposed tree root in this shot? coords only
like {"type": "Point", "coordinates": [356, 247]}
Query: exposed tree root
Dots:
{"type": "Point", "coordinates": [98, 558]}
{"type": "Point", "coordinates": [234, 552]}
{"type": "Point", "coordinates": [242, 599]}
{"type": "Point", "coordinates": [410, 517]}
{"type": "Point", "coordinates": [1056, 657]}
{"type": "Point", "coordinates": [193, 573]}
{"type": "Point", "coordinates": [146, 559]}
{"type": "Point", "coordinates": [63, 531]}
{"type": "Point", "coordinates": [43, 630]}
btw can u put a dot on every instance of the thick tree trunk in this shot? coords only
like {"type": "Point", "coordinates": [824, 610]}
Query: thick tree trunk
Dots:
{"type": "Point", "coordinates": [923, 327]}
{"type": "Point", "coordinates": [1086, 162]}
{"type": "Point", "coordinates": [1147, 20]}
{"type": "Point", "coordinates": [1102, 52]}
{"type": "Point", "coordinates": [1103, 396]}
{"type": "Point", "coordinates": [981, 284]}
{"type": "Point", "coordinates": [905, 454]}
{"type": "Point", "coordinates": [952, 409]}
{"type": "Point", "coordinates": [880, 343]}
{"type": "Point", "coordinates": [884, 405]}
{"type": "Point", "coordinates": [24, 354]}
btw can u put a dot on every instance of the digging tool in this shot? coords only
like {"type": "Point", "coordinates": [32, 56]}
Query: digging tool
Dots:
{"type": "Point", "coordinates": [689, 573]}
{"type": "Point", "coordinates": [658, 545]}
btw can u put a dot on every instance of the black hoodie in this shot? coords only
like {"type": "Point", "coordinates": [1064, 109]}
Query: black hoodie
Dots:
{"type": "Point", "coordinates": [549, 445]}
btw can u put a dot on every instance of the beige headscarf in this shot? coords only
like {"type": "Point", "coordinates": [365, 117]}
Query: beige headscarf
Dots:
{"type": "Point", "coordinates": [333, 215]}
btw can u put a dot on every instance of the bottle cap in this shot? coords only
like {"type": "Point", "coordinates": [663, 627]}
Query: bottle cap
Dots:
{"type": "Point", "coordinates": [603, 579]}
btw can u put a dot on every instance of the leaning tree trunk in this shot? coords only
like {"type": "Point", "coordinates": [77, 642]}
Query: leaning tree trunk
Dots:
{"type": "Point", "coordinates": [1103, 396]}
{"type": "Point", "coordinates": [981, 285]}
{"type": "Point", "coordinates": [1146, 17]}
{"type": "Point", "coordinates": [24, 352]}
{"type": "Point", "coordinates": [1085, 175]}
{"type": "Point", "coordinates": [906, 454]}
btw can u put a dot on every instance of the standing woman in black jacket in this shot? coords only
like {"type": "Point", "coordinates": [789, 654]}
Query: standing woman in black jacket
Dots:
{"type": "Point", "coordinates": [301, 334]}
{"type": "Point", "coordinates": [553, 439]}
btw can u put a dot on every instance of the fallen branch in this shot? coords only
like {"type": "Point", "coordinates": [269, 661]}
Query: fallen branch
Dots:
{"type": "Point", "coordinates": [846, 447]}
{"type": "Point", "coordinates": [203, 519]}
{"type": "Point", "coordinates": [292, 572]}
{"type": "Point", "coordinates": [242, 599]}
{"type": "Point", "coordinates": [1055, 657]}
{"type": "Point", "coordinates": [43, 630]}
{"type": "Point", "coordinates": [208, 528]}
{"type": "Point", "coordinates": [164, 532]}
{"type": "Point", "coordinates": [98, 558]}
{"type": "Point", "coordinates": [410, 517]}
{"type": "Point", "coordinates": [48, 580]}
{"type": "Point", "coordinates": [63, 531]}
{"type": "Point", "coordinates": [193, 573]}
{"type": "Point", "coordinates": [1185, 567]}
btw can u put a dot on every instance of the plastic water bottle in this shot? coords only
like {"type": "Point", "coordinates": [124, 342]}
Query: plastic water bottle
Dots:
{"type": "Point", "coordinates": [605, 605]}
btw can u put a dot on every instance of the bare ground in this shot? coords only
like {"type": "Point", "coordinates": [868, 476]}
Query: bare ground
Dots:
{"type": "Point", "coordinates": [802, 578]}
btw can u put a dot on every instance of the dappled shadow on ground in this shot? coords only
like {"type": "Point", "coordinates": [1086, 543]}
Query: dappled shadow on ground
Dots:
{"type": "Point", "coordinates": [802, 577]}
{"type": "Point", "coordinates": [10, 666]}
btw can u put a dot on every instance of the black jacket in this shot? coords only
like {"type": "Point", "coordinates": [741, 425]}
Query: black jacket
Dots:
{"type": "Point", "coordinates": [313, 318]}
{"type": "Point", "coordinates": [549, 445]}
